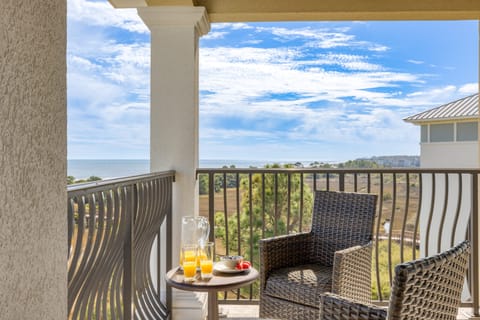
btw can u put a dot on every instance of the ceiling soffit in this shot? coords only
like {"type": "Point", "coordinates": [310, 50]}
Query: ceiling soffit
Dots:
{"type": "Point", "coordinates": [288, 10]}
{"type": "Point", "coordinates": [309, 10]}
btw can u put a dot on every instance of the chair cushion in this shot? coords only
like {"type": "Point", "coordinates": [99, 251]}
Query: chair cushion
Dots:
{"type": "Point", "coordinates": [300, 284]}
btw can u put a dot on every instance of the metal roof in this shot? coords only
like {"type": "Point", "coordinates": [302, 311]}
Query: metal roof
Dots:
{"type": "Point", "coordinates": [465, 108]}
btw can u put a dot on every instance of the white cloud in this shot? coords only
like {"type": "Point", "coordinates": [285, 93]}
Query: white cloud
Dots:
{"type": "Point", "coordinates": [433, 95]}
{"type": "Point", "coordinates": [323, 38]}
{"type": "Point", "coordinates": [128, 64]}
{"type": "Point", "coordinates": [80, 63]}
{"type": "Point", "coordinates": [123, 63]}
{"type": "Point", "coordinates": [328, 106]}
{"type": "Point", "coordinates": [240, 26]}
{"type": "Point", "coordinates": [415, 61]}
{"type": "Point", "coordinates": [91, 91]}
{"type": "Point", "coordinates": [213, 35]}
{"type": "Point", "coordinates": [377, 48]}
{"type": "Point", "coordinates": [349, 61]}
{"type": "Point", "coordinates": [252, 42]}
{"type": "Point", "coordinates": [102, 14]}
{"type": "Point", "coordinates": [469, 88]}
{"type": "Point", "coordinates": [225, 134]}
{"type": "Point", "coordinates": [232, 26]}
{"type": "Point", "coordinates": [249, 76]}
{"type": "Point", "coordinates": [319, 38]}
{"type": "Point", "coordinates": [108, 82]}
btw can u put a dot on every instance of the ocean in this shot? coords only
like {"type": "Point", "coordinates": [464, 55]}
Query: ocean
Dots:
{"type": "Point", "coordinates": [105, 169]}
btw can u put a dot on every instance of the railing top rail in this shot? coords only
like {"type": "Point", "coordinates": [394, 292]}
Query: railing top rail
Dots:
{"type": "Point", "coordinates": [339, 170]}
{"type": "Point", "coordinates": [83, 188]}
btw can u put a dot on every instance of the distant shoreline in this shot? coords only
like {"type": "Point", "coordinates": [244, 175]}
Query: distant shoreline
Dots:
{"type": "Point", "coordinates": [113, 168]}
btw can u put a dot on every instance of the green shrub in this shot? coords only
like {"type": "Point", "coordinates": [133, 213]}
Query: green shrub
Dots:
{"type": "Point", "coordinates": [383, 266]}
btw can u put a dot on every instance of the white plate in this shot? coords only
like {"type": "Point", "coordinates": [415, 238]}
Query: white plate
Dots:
{"type": "Point", "coordinates": [221, 267]}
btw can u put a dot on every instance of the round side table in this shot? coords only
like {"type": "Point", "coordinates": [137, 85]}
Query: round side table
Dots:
{"type": "Point", "coordinates": [219, 282]}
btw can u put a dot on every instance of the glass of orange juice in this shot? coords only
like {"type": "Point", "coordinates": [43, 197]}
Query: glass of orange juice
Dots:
{"type": "Point", "coordinates": [189, 262]}
{"type": "Point", "coordinates": [205, 255]}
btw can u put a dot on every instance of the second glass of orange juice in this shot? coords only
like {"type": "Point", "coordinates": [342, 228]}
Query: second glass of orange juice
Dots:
{"type": "Point", "coordinates": [189, 262]}
{"type": "Point", "coordinates": [205, 255]}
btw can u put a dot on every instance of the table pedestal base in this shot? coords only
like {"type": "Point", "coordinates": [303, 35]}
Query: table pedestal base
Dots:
{"type": "Point", "coordinates": [212, 306]}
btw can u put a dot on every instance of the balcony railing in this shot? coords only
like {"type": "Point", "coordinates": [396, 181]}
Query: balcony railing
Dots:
{"type": "Point", "coordinates": [420, 212]}
{"type": "Point", "coordinates": [112, 227]}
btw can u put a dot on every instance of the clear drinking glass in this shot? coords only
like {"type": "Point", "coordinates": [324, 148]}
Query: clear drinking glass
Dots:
{"type": "Point", "coordinates": [205, 255]}
{"type": "Point", "coordinates": [189, 264]}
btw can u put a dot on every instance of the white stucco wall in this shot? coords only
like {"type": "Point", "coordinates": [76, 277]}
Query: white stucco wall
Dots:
{"type": "Point", "coordinates": [449, 155]}
{"type": "Point", "coordinates": [33, 237]}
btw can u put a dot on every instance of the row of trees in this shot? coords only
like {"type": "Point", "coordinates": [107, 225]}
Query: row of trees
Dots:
{"type": "Point", "coordinates": [73, 180]}
{"type": "Point", "coordinates": [231, 178]}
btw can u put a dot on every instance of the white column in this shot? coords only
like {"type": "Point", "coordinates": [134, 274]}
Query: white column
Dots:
{"type": "Point", "coordinates": [175, 32]}
{"type": "Point", "coordinates": [174, 100]}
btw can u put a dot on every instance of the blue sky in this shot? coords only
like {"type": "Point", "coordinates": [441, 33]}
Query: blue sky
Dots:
{"type": "Point", "coordinates": [327, 91]}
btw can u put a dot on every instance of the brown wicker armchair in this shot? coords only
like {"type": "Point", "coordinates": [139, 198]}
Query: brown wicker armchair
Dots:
{"type": "Point", "coordinates": [428, 288]}
{"type": "Point", "coordinates": [335, 256]}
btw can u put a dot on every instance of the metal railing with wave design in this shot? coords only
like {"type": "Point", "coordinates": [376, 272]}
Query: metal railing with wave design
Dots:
{"type": "Point", "coordinates": [420, 212]}
{"type": "Point", "coordinates": [113, 237]}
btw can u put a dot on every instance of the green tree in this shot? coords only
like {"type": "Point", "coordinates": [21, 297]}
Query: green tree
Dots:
{"type": "Point", "coordinates": [276, 204]}
{"type": "Point", "coordinates": [203, 184]}
{"type": "Point", "coordinates": [70, 179]}
{"type": "Point", "coordinates": [367, 164]}
{"type": "Point", "coordinates": [317, 164]}
{"type": "Point", "coordinates": [218, 182]}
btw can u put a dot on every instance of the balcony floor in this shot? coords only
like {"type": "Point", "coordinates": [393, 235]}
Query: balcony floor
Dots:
{"type": "Point", "coordinates": [250, 312]}
{"type": "Point", "coordinates": [239, 312]}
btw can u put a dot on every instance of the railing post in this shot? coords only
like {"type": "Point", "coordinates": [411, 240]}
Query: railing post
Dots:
{"type": "Point", "coordinates": [159, 261]}
{"type": "Point", "coordinates": [169, 219]}
{"type": "Point", "coordinates": [128, 267]}
{"type": "Point", "coordinates": [341, 181]}
{"type": "Point", "coordinates": [474, 258]}
{"type": "Point", "coordinates": [211, 203]}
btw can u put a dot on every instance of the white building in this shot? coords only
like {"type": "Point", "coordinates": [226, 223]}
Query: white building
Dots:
{"type": "Point", "coordinates": [449, 134]}
{"type": "Point", "coordinates": [449, 139]}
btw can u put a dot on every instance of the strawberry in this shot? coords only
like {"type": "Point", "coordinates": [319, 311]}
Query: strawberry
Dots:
{"type": "Point", "coordinates": [243, 265]}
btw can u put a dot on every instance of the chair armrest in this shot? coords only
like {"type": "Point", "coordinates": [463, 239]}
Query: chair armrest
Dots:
{"type": "Point", "coordinates": [352, 273]}
{"type": "Point", "coordinates": [283, 251]}
{"type": "Point", "coordinates": [334, 307]}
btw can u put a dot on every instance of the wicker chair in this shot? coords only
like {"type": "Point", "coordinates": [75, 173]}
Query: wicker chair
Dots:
{"type": "Point", "coordinates": [428, 288]}
{"type": "Point", "coordinates": [335, 256]}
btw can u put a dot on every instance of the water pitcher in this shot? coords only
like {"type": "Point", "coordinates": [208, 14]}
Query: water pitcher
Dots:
{"type": "Point", "coordinates": [195, 231]}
